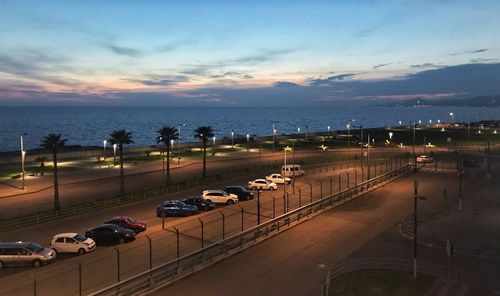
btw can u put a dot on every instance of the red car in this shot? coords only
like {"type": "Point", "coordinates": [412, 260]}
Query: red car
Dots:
{"type": "Point", "coordinates": [127, 222]}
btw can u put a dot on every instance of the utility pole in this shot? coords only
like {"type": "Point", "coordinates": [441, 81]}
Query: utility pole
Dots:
{"type": "Point", "coordinates": [415, 197]}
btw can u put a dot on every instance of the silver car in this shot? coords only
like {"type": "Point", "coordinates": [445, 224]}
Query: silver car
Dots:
{"type": "Point", "coordinates": [25, 253]}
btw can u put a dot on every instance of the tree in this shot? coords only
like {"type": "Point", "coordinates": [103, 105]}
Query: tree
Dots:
{"type": "Point", "coordinates": [53, 142]}
{"type": "Point", "coordinates": [204, 133]}
{"type": "Point", "coordinates": [165, 136]}
{"type": "Point", "coordinates": [120, 138]}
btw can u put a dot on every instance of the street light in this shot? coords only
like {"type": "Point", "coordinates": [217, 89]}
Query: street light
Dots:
{"type": "Point", "coordinates": [348, 135]}
{"type": "Point", "coordinates": [400, 123]}
{"type": "Point", "coordinates": [328, 130]}
{"type": "Point", "coordinates": [104, 145]}
{"type": "Point", "coordinates": [114, 153]}
{"type": "Point", "coordinates": [390, 137]}
{"type": "Point", "coordinates": [248, 142]}
{"type": "Point", "coordinates": [452, 117]}
{"type": "Point", "coordinates": [214, 141]}
{"type": "Point", "coordinates": [284, 179]}
{"type": "Point", "coordinates": [179, 144]}
{"type": "Point", "coordinates": [430, 121]}
{"type": "Point", "coordinates": [23, 156]}
{"type": "Point", "coordinates": [232, 139]}
{"type": "Point", "coordinates": [439, 120]}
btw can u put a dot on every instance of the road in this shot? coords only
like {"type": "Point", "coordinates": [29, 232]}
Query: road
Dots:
{"type": "Point", "coordinates": [99, 268]}
{"type": "Point", "coordinates": [296, 261]}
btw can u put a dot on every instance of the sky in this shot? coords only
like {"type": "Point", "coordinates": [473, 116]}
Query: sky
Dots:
{"type": "Point", "coordinates": [232, 53]}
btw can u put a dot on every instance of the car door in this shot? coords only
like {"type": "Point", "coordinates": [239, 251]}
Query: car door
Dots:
{"type": "Point", "coordinates": [11, 256]}
{"type": "Point", "coordinates": [71, 245]}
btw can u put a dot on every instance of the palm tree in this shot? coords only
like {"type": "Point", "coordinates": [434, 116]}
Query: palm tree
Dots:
{"type": "Point", "coordinates": [120, 138]}
{"type": "Point", "coordinates": [165, 136]}
{"type": "Point", "coordinates": [204, 133]}
{"type": "Point", "coordinates": [53, 142]}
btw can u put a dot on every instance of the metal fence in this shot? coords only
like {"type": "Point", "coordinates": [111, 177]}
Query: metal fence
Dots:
{"type": "Point", "coordinates": [165, 273]}
{"type": "Point", "coordinates": [401, 264]}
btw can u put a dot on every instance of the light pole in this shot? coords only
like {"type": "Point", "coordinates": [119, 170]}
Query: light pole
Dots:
{"type": "Point", "coordinates": [400, 123]}
{"type": "Point", "coordinates": [415, 198]}
{"type": "Point", "coordinates": [114, 153]}
{"type": "Point", "coordinates": [452, 117]}
{"type": "Point", "coordinates": [430, 122]}
{"type": "Point", "coordinates": [248, 142]}
{"type": "Point", "coordinates": [232, 139]}
{"type": "Point", "coordinates": [348, 135]}
{"type": "Point", "coordinates": [298, 132]}
{"type": "Point", "coordinates": [274, 134]}
{"type": "Point", "coordinates": [23, 156]}
{"type": "Point", "coordinates": [414, 156]}
{"type": "Point", "coordinates": [104, 146]}
{"type": "Point", "coordinates": [439, 120]}
{"type": "Point", "coordinates": [328, 127]}
{"type": "Point", "coordinates": [285, 197]}
{"type": "Point", "coordinates": [390, 137]}
{"type": "Point", "coordinates": [214, 141]}
{"type": "Point", "coordinates": [179, 144]}
{"type": "Point", "coordinates": [306, 131]}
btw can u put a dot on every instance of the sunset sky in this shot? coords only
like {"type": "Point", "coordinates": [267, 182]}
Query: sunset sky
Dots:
{"type": "Point", "coordinates": [245, 52]}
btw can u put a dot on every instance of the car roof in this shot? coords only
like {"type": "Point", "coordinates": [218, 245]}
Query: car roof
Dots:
{"type": "Point", "coordinates": [66, 234]}
{"type": "Point", "coordinates": [211, 191]}
{"type": "Point", "coordinates": [15, 244]}
{"type": "Point", "coordinates": [425, 156]}
{"type": "Point", "coordinates": [260, 180]}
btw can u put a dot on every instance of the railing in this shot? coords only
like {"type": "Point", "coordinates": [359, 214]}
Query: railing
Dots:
{"type": "Point", "coordinates": [401, 264]}
{"type": "Point", "coordinates": [165, 273]}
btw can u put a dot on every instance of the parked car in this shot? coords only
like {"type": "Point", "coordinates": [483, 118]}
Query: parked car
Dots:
{"type": "Point", "coordinates": [219, 196]}
{"type": "Point", "coordinates": [262, 184]}
{"type": "Point", "coordinates": [25, 253]}
{"type": "Point", "coordinates": [292, 170]}
{"type": "Point", "coordinates": [241, 192]}
{"type": "Point", "coordinates": [425, 159]}
{"type": "Point", "coordinates": [110, 233]}
{"type": "Point", "coordinates": [278, 179]}
{"type": "Point", "coordinates": [200, 203]}
{"type": "Point", "coordinates": [127, 222]}
{"type": "Point", "coordinates": [72, 243]}
{"type": "Point", "coordinates": [175, 208]}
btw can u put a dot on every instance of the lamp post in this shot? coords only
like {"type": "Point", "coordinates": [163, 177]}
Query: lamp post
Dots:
{"type": "Point", "coordinates": [285, 197]}
{"type": "Point", "coordinates": [213, 141]}
{"type": "Point", "coordinates": [430, 122]}
{"type": "Point", "coordinates": [439, 120]}
{"type": "Point", "coordinates": [232, 139]}
{"type": "Point", "coordinates": [298, 131]}
{"type": "Point", "coordinates": [413, 148]}
{"type": "Point", "coordinates": [248, 142]}
{"type": "Point", "coordinates": [104, 150]}
{"type": "Point", "coordinates": [328, 127]}
{"type": "Point", "coordinates": [390, 137]}
{"type": "Point", "coordinates": [114, 153]}
{"type": "Point", "coordinates": [452, 117]}
{"type": "Point", "coordinates": [179, 143]}
{"type": "Point", "coordinates": [23, 156]}
{"type": "Point", "coordinates": [348, 135]}
{"type": "Point", "coordinates": [400, 123]}
{"type": "Point", "coordinates": [274, 134]}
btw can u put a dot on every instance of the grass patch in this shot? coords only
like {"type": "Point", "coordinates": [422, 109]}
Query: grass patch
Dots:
{"type": "Point", "coordinates": [381, 282]}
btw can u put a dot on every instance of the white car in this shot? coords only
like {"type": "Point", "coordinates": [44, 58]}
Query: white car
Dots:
{"type": "Point", "coordinates": [425, 159]}
{"type": "Point", "coordinates": [259, 184]}
{"type": "Point", "coordinates": [219, 196]}
{"type": "Point", "coordinates": [72, 243]}
{"type": "Point", "coordinates": [278, 179]}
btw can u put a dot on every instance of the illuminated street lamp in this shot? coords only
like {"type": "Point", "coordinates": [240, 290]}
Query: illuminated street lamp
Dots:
{"type": "Point", "coordinates": [172, 144]}
{"type": "Point", "coordinates": [248, 142]}
{"type": "Point", "coordinates": [104, 146]}
{"type": "Point", "coordinates": [439, 120]}
{"type": "Point", "coordinates": [285, 195]}
{"type": "Point", "coordinates": [328, 127]}
{"type": "Point", "coordinates": [390, 137]}
{"type": "Point", "coordinates": [214, 140]}
{"type": "Point", "coordinates": [452, 117]}
{"type": "Point", "coordinates": [400, 123]}
{"type": "Point", "coordinates": [23, 157]}
{"type": "Point", "coordinates": [419, 122]}
{"type": "Point", "coordinates": [232, 139]}
{"type": "Point", "coordinates": [348, 135]}
{"type": "Point", "coordinates": [114, 152]}
{"type": "Point", "coordinates": [430, 121]}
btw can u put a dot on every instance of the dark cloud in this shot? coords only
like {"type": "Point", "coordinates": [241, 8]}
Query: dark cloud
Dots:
{"type": "Point", "coordinates": [384, 65]}
{"type": "Point", "coordinates": [426, 65]}
{"type": "Point", "coordinates": [121, 50]}
{"type": "Point", "coordinates": [285, 84]}
{"type": "Point", "coordinates": [482, 60]}
{"type": "Point", "coordinates": [160, 80]}
{"type": "Point", "coordinates": [330, 80]}
{"type": "Point", "coordinates": [469, 52]}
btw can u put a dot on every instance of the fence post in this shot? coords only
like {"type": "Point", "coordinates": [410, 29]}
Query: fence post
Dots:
{"type": "Point", "coordinates": [284, 204]}
{"type": "Point", "coordinates": [34, 285]}
{"type": "Point", "coordinates": [242, 213]}
{"type": "Point", "coordinates": [223, 225]}
{"type": "Point", "coordinates": [375, 170]}
{"type": "Point", "coordinates": [117, 264]}
{"type": "Point", "coordinates": [311, 190]}
{"type": "Point", "coordinates": [163, 220]}
{"type": "Point", "coordinates": [258, 206]}
{"type": "Point", "coordinates": [348, 181]}
{"type": "Point", "coordinates": [150, 253]}
{"type": "Point", "coordinates": [300, 198]}
{"type": "Point", "coordinates": [80, 278]}
{"type": "Point", "coordinates": [320, 189]}
{"type": "Point", "coordinates": [202, 233]}
{"type": "Point", "coordinates": [340, 183]}
{"type": "Point", "coordinates": [274, 208]}
{"type": "Point", "coordinates": [362, 174]}
{"type": "Point", "coordinates": [331, 186]}
{"type": "Point", "coordinates": [355, 177]}
{"type": "Point", "coordinates": [178, 253]}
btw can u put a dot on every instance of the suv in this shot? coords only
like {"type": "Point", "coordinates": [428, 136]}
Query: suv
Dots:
{"type": "Point", "coordinates": [241, 192]}
{"type": "Point", "coordinates": [278, 179]}
{"type": "Point", "coordinates": [25, 253]}
{"type": "Point", "coordinates": [219, 196]}
{"type": "Point", "coordinates": [260, 184]}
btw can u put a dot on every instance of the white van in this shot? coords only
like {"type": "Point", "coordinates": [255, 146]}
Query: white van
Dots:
{"type": "Point", "coordinates": [290, 170]}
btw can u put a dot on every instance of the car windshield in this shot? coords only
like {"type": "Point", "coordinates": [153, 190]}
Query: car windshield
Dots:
{"type": "Point", "coordinates": [130, 220]}
{"type": "Point", "coordinates": [34, 248]}
{"type": "Point", "coordinates": [79, 238]}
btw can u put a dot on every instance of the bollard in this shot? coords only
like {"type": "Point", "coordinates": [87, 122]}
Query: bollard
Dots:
{"type": "Point", "coordinates": [311, 189]}
{"type": "Point", "coordinates": [163, 220]}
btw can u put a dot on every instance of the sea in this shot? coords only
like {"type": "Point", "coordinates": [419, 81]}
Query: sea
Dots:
{"type": "Point", "coordinates": [90, 126]}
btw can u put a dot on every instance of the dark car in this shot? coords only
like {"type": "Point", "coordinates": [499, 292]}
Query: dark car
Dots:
{"type": "Point", "coordinates": [110, 233]}
{"type": "Point", "coordinates": [175, 208]}
{"type": "Point", "coordinates": [241, 192]}
{"type": "Point", "coordinates": [127, 222]}
{"type": "Point", "coordinates": [200, 203]}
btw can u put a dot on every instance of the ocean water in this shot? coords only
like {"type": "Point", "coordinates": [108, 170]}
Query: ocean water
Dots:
{"type": "Point", "coordinates": [92, 125]}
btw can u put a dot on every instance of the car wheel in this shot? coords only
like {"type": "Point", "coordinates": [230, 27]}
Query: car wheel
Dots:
{"type": "Point", "coordinates": [121, 240]}
{"type": "Point", "coordinates": [254, 188]}
{"type": "Point", "coordinates": [81, 251]}
{"type": "Point", "coordinates": [272, 188]}
{"type": "Point", "coordinates": [37, 263]}
{"type": "Point", "coordinates": [230, 202]}
{"type": "Point", "coordinates": [209, 200]}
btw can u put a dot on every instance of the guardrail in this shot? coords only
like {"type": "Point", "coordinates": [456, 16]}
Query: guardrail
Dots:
{"type": "Point", "coordinates": [401, 264]}
{"type": "Point", "coordinates": [165, 273]}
